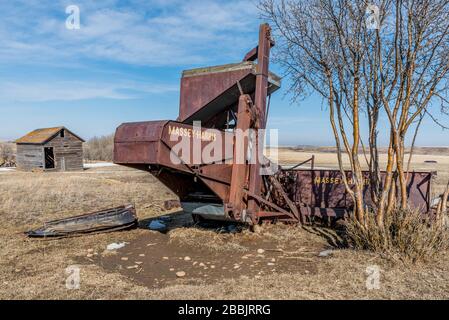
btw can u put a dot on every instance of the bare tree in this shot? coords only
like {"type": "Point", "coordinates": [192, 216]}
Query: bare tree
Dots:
{"type": "Point", "coordinates": [367, 59]}
{"type": "Point", "coordinates": [99, 148]}
{"type": "Point", "coordinates": [7, 154]}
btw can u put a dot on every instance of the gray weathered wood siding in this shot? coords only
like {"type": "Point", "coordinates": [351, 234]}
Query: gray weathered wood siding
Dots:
{"type": "Point", "coordinates": [29, 157]}
{"type": "Point", "coordinates": [67, 150]}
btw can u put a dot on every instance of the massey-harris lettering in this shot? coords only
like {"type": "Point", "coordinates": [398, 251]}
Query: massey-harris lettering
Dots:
{"type": "Point", "coordinates": [332, 180]}
{"type": "Point", "coordinates": [205, 135]}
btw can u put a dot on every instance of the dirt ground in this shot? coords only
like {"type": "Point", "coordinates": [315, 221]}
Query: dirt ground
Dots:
{"type": "Point", "coordinates": [214, 261]}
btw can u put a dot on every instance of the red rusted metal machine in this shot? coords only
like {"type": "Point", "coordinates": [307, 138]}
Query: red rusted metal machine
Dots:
{"type": "Point", "coordinates": [231, 184]}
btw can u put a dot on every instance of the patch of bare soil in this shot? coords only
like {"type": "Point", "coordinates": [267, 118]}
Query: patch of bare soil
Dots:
{"type": "Point", "coordinates": [188, 254]}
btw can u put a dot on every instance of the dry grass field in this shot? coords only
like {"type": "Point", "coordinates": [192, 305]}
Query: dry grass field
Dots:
{"type": "Point", "coordinates": [289, 268]}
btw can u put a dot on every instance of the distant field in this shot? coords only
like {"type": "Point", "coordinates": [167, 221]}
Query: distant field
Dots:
{"type": "Point", "coordinates": [417, 150]}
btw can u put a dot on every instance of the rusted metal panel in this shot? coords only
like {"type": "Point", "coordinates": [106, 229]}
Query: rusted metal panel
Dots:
{"type": "Point", "coordinates": [138, 142]}
{"type": "Point", "coordinates": [324, 189]}
{"type": "Point", "coordinates": [153, 144]}
{"type": "Point", "coordinates": [260, 102]}
{"type": "Point", "coordinates": [206, 92]}
{"type": "Point", "coordinates": [119, 218]}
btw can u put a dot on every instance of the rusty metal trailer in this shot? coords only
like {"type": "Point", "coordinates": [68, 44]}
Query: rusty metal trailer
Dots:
{"type": "Point", "coordinates": [227, 100]}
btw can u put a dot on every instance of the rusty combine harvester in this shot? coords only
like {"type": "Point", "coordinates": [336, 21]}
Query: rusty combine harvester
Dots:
{"type": "Point", "coordinates": [226, 99]}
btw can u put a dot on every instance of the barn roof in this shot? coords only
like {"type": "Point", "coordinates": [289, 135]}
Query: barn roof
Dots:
{"type": "Point", "coordinates": [41, 136]}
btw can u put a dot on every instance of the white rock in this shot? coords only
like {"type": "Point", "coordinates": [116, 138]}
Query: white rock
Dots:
{"type": "Point", "coordinates": [260, 251]}
{"type": "Point", "coordinates": [180, 274]}
{"type": "Point", "coordinates": [115, 246]}
{"type": "Point", "coordinates": [325, 253]}
{"type": "Point", "coordinates": [187, 258]}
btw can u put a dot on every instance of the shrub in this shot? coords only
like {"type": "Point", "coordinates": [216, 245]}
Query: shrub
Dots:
{"type": "Point", "coordinates": [7, 154]}
{"type": "Point", "coordinates": [406, 236]}
{"type": "Point", "coordinates": [99, 148]}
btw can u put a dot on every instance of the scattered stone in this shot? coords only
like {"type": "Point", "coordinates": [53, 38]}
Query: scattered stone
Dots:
{"type": "Point", "coordinates": [325, 253]}
{"type": "Point", "coordinates": [89, 255]}
{"type": "Point", "coordinates": [172, 269]}
{"type": "Point", "coordinates": [138, 262]}
{"type": "Point", "coordinates": [224, 268]}
{"type": "Point", "coordinates": [187, 258]}
{"type": "Point", "coordinates": [180, 274]}
{"type": "Point", "coordinates": [202, 264]}
{"type": "Point", "coordinates": [212, 267]}
{"type": "Point", "coordinates": [260, 251]}
{"type": "Point", "coordinates": [115, 246]}
{"type": "Point", "coordinates": [90, 250]}
{"type": "Point", "coordinates": [165, 258]}
{"type": "Point", "coordinates": [307, 271]}
{"type": "Point", "coordinates": [273, 260]}
{"type": "Point", "coordinates": [236, 267]}
{"type": "Point", "coordinates": [195, 263]}
{"type": "Point", "coordinates": [260, 256]}
{"type": "Point", "coordinates": [132, 267]}
{"type": "Point", "coordinates": [124, 258]}
{"type": "Point", "coordinates": [245, 257]}
{"type": "Point", "coordinates": [270, 264]}
{"type": "Point", "coordinates": [207, 262]}
{"type": "Point", "coordinates": [142, 255]}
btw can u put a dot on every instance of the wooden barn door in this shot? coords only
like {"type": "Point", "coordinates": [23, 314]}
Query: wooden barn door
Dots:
{"type": "Point", "coordinates": [49, 158]}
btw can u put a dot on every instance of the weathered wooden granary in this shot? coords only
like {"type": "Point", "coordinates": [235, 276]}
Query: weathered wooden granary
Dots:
{"type": "Point", "coordinates": [50, 149]}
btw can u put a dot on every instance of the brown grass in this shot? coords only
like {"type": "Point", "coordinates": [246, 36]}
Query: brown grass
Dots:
{"type": "Point", "coordinates": [32, 269]}
{"type": "Point", "coordinates": [404, 237]}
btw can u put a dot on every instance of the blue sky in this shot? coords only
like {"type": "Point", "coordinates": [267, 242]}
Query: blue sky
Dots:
{"type": "Point", "coordinates": [124, 64]}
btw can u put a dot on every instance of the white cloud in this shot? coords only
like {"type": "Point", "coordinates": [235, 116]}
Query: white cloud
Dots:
{"type": "Point", "coordinates": [73, 91]}
{"type": "Point", "coordinates": [151, 33]}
